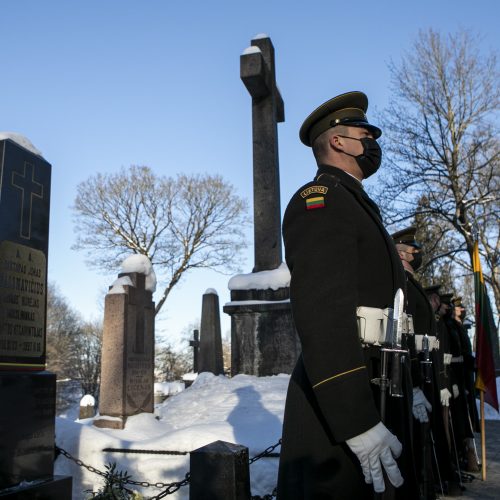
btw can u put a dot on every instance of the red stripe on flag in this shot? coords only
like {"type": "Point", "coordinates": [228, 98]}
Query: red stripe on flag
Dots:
{"type": "Point", "coordinates": [485, 376]}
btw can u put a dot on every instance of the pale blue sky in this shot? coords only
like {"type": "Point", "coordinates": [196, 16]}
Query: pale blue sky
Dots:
{"type": "Point", "coordinates": [100, 84]}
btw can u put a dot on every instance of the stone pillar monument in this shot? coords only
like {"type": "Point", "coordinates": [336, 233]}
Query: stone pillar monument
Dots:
{"type": "Point", "coordinates": [210, 336]}
{"type": "Point", "coordinates": [263, 336]}
{"type": "Point", "coordinates": [127, 361]}
{"type": "Point", "coordinates": [27, 391]}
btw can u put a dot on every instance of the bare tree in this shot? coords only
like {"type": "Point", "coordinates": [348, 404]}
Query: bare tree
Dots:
{"type": "Point", "coordinates": [179, 223]}
{"type": "Point", "coordinates": [63, 327]}
{"type": "Point", "coordinates": [87, 355]}
{"type": "Point", "coordinates": [443, 151]}
{"type": "Point", "coordinates": [171, 364]}
{"type": "Point", "coordinates": [73, 345]}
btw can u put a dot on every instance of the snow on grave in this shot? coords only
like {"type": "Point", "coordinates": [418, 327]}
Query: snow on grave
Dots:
{"type": "Point", "coordinates": [21, 140]}
{"type": "Point", "coordinates": [87, 407]}
{"type": "Point", "coordinates": [274, 279]}
{"type": "Point", "coordinates": [163, 390]}
{"type": "Point", "coordinates": [245, 410]}
{"type": "Point", "coordinates": [137, 263]}
{"type": "Point", "coordinates": [251, 50]}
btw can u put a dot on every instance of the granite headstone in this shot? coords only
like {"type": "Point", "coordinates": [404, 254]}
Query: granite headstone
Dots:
{"type": "Point", "coordinates": [27, 391]}
{"type": "Point", "coordinates": [127, 361]}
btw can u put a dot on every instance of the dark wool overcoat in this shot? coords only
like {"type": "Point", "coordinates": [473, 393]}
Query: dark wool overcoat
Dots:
{"type": "Point", "coordinates": [437, 453]}
{"type": "Point", "coordinates": [340, 257]}
{"type": "Point", "coordinates": [462, 422]}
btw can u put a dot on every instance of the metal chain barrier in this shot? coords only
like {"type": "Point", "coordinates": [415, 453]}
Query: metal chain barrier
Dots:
{"type": "Point", "coordinates": [79, 462]}
{"type": "Point", "coordinates": [266, 453]}
{"type": "Point", "coordinates": [169, 487]}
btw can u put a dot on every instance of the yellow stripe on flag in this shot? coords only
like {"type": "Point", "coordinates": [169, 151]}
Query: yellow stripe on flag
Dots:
{"type": "Point", "coordinates": [476, 263]}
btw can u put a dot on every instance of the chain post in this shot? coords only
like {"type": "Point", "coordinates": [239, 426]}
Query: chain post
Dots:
{"type": "Point", "coordinates": [170, 487]}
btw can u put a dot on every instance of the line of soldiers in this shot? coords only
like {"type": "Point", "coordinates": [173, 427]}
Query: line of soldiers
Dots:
{"type": "Point", "coordinates": [372, 408]}
{"type": "Point", "coordinates": [442, 375]}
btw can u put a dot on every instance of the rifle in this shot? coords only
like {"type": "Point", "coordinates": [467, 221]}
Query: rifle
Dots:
{"type": "Point", "coordinates": [394, 352]}
{"type": "Point", "coordinates": [426, 362]}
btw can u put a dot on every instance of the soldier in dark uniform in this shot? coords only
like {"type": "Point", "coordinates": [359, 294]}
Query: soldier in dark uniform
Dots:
{"type": "Point", "coordinates": [453, 413]}
{"type": "Point", "coordinates": [340, 258]}
{"type": "Point", "coordinates": [460, 418]}
{"type": "Point", "coordinates": [432, 453]}
{"type": "Point", "coordinates": [468, 365]}
{"type": "Point", "coordinates": [442, 395]}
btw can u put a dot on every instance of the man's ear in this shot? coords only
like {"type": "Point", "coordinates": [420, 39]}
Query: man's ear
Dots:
{"type": "Point", "coordinates": [336, 142]}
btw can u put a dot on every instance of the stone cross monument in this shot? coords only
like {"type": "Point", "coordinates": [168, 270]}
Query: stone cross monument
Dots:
{"type": "Point", "coordinates": [263, 336]}
{"type": "Point", "coordinates": [27, 391]}
{"type": "Point", "coordinates": [127, 361]}
{"type": "Point", "coordinates": [258, 73]}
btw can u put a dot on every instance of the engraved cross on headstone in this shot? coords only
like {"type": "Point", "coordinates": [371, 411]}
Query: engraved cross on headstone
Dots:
{"type": "Point", "coordinates": [29, 189]}
{"type": "Point", "coordinates": [257, 71]}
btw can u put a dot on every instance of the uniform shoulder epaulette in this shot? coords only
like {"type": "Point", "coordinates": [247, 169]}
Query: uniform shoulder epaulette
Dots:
{"type": "Point", "coordinates": [328, 178]}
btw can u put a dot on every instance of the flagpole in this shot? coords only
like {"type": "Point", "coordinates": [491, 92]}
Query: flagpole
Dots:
{"type": "Point", "coordinates": [483, 438]}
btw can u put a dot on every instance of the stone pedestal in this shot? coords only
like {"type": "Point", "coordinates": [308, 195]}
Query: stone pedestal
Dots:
{"type": "Point", "coordinates": [27, 391]}
{"type": "Point", "coordinates": [27, 416]}
{"type": "Point", "coordinates": [263, 336]}
{"type": "Point", "coordinates": [127, 363]}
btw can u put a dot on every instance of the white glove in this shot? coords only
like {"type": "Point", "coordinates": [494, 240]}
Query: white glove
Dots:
{"type": "Point", "coordinates": [375, 446]}
{"type": "Point", "coordinates": [447, 358]}
{"type": "Point", "coordinates": [445, 397]}
{"type": "Point", "coordinates": [455, 391]}
{"type": "Point", "coordinates": [420, 405]}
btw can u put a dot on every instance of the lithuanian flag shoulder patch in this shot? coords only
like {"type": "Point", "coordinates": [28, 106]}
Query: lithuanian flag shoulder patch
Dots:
{"type": "Point", "coordinates": [314, 203]}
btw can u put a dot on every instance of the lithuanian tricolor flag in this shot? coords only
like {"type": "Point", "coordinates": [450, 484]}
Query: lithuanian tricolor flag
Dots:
{"type": "Point", "coordinates": [316, 202]}
{"type": "Point", "coordinates": [485, 377]}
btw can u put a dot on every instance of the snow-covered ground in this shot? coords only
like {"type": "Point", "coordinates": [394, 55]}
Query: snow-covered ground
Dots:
{"type": "Point", "coordinates": [244, 409]}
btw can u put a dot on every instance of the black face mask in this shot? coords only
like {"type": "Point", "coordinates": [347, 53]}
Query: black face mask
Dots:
{"type": "Point", "coordinates": [417, 260]}
{"type": "Point", "coordinates": [369, 161]}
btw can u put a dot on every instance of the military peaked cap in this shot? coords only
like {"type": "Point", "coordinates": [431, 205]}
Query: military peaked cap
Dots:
{"type": "Point", "coordinates": [445, 298]}
{"type": "Point", "coordinates": [457, 301]}
{"type": "Point", "coordinates": [432, 289]}
{"type": "Point", "coordinates": [407, 237]}
{"type": "Point", "coordinates": [346, 109]}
